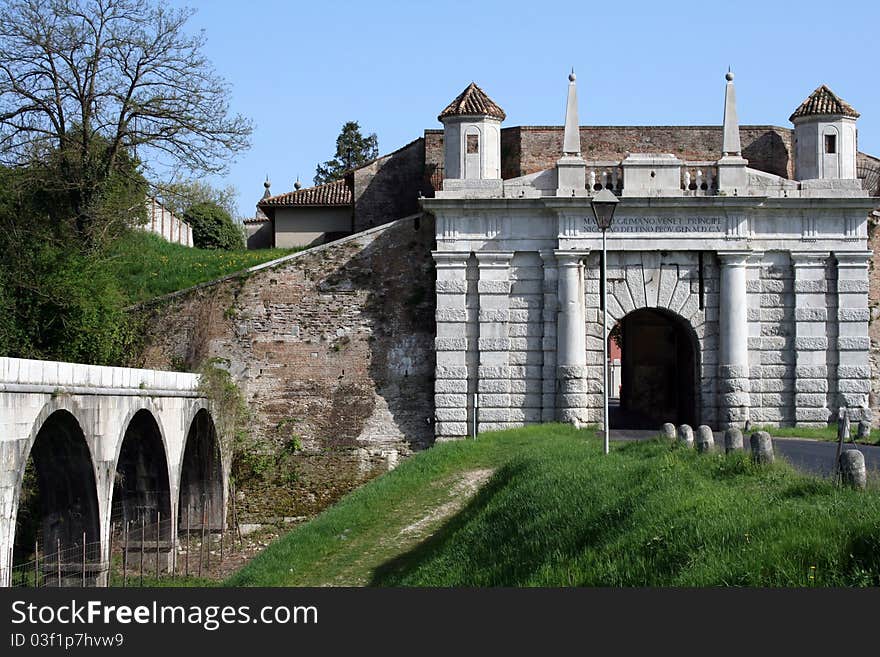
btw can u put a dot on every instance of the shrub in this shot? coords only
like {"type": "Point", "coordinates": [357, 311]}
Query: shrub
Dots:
{"type": "Point", "coordinates": [213, 228]}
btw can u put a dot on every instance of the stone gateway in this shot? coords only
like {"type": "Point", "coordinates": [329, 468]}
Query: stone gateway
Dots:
{"type": "Point", "coordinates": [734, 294]}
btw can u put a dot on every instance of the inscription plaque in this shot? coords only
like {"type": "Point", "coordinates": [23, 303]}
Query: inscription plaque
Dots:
{"type": "Point", "coordinates": [660, 225]}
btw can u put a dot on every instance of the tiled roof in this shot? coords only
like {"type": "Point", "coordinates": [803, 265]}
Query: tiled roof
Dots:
{"type": "Point", "coordinates": [822, 102]}
{"type": "Point", "coordinates": [473, 101]}
{"type": "Point", "coordinates": [334, 193]}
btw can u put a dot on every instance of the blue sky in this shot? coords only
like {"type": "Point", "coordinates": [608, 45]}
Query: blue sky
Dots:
{"type": "Point", "coordinates": [299, 70]}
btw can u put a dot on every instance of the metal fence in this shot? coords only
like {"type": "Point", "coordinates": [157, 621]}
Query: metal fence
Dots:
{"type": "Point", "coordinates": [144, 547]}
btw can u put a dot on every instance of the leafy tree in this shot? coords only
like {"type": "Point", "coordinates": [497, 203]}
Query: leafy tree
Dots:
{"type": "Point", "coordinates": [352, 150]}
{"type": "Point", "coordinates": [213, 228]}
{"type": "Point", "coordinates": [58, 300]}
{"type": "Point", "coordinates": [179, 196]}
{"type": "Point", "coordinates": [95, 80]}
{"type": "Point", "coordinates": [90, 91]}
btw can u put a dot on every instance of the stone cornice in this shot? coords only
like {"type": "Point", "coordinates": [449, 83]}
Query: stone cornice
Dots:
{"type": "Point", "coordinates": [450, 259]}
{"type": "Point", "coordinates": [734, 258]}
{"type": "Point", "coordinates": [494, 258]}
{"type": "Point", "coordinates": [853, 258]}
{"type": "Point", "coordinates": [809, 258]}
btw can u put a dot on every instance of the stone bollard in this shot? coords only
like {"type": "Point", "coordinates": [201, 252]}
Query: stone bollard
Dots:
{"type": "Point", "coordinates": [864, 430]}
{"type": "Point", "coordinates": [852, 469]}
{"type": "Point", "coordinates": [686, 435]}
{"type": "Point", "coordinates": [705, 441]}
{"type": "Point", "coordinates": [762, 447]}
{"type": "Point", "coordinates": [733, 440]}
{"type": "Point", "coordinates": [668, 431]}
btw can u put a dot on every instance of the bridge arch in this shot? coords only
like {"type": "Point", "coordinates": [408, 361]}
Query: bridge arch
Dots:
{"type": "Point", "coordinates": [201, 476]}
{"type": "Point", "coordinates": [141, 491]}
{"type": "Point", "coordinates": [57, 502]}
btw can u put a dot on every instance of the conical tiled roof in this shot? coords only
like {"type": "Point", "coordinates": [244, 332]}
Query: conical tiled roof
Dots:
{"type": "Point", "coordinates": [473, 101]}
{"type": "Point", "coordinates": [823, 102]}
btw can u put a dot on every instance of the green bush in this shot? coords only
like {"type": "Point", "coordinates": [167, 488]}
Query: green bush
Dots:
{"type": "Point", "coordinates": [213, 228]}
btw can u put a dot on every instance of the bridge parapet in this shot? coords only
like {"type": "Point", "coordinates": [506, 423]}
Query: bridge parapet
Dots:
{"type": "Point", "coordinates": [24, 375]}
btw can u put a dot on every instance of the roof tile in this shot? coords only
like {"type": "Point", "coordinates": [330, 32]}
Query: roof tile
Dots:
{"type": "Point", "coordinates": [473, 101]}
{"type": "Point", "coordinates": [334, 193]}
{"type": "Point", "coordinates": [823, 102]}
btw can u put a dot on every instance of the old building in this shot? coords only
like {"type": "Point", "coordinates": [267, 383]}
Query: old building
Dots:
{"type": "Point", "coordinates": [741, 291]}
{"type": "Point", "coordinates": [739, 288]}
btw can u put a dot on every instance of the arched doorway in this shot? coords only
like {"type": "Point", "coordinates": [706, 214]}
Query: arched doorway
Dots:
{"type": "Point", "coordinates": [658, 370]}
{"type": "Point", "coordinates": [141, 510]}
{"type": "Point", "coordinates": [201, 479]}
{"type": "Point", "coordinates": [58, 523]}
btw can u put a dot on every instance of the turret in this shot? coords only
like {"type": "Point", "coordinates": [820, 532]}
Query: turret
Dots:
{"type": "Point", "coordinates": [824, 137]}
{"type": "Point", "coordinates": [472, 136]}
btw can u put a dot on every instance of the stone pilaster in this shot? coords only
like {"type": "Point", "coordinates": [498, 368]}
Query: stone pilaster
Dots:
{"type": "Point", "coordinates": [853, 343]}
{"type": "Point", "coordinates": [571, 352]}
{"type": "Point", "coordinates": [810, 338]}
{"type": "Point", "coordinates": [493, 381]}
{"type": "Point", "coordinates": [549, 313]}
{"type": "Point", "coordinates": [733, 367]}
{"type": "Point", "coordinates": [452, 407]}
{"type": "Point", "coordinates": [754, 289]}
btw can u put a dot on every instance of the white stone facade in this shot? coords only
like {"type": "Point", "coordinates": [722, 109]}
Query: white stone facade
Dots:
{"type": "Point", "coordinates": [768, 277]}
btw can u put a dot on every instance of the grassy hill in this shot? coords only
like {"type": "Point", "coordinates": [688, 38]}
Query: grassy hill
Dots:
{"type": "Point", "coordinates": [147, 266]}
{"type": "Point", "coordinates": [542, 506]}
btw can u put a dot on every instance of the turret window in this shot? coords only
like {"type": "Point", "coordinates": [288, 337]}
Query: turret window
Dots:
{"type": "Point", "coordinates": [473, 144]}
{"type": "Point", "coordinates": [830, 143]}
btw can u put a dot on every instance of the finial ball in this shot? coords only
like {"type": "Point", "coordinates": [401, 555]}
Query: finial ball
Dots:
{"type": "Point", "coordinates": [572, 77]}
{"type": "Point", "coordinates": [267, 184]}
{"type": "Point", "coordinates": [729, 76]}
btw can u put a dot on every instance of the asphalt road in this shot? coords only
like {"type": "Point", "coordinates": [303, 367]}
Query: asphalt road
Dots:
{"type": "Point", "coordinates": [813, 456]}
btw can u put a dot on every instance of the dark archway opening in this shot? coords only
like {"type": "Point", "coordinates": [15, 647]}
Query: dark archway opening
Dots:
{"type": "Point", "coordinates": [658, 370]}
{"type": "Point", "coordinates": [141, 514]}
{"type": "Point", "coordinates": [201, 479]}
{"type": "Point", "coordinates": [58, 530]}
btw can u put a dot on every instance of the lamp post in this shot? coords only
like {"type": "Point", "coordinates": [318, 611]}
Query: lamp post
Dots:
{"type": "Point", "coordinates": [604, 203]}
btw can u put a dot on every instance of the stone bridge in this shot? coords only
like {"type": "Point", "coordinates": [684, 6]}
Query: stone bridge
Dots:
{"type": "Point", "coordinates": [100, 446]}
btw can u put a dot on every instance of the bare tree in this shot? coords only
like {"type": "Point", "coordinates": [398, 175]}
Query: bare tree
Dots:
{"type": "Point", "coordinates": [97, 80]}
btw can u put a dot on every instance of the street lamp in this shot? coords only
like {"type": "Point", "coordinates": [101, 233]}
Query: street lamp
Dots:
{"type": "Point", "coordinates": [604, 203]}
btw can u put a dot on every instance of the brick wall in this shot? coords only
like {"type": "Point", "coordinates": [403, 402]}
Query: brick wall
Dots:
{"type": "Point", "coordinates": [528, 149]}
{"type": "Point", "coordinates": [434, 161]}
{"type": "Point", "coordinates": [388, 188]}
{"type": "Point", "coordinates": [333, 345]}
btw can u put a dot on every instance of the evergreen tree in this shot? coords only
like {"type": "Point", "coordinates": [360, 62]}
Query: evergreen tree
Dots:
{"type": "Point", "coordinates": [352, 150]}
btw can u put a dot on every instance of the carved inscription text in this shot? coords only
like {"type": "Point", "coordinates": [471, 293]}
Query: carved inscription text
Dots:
{"type": "Point", "coordinates": [660, 225]}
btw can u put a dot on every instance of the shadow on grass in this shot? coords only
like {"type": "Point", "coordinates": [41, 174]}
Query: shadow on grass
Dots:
{"type": "Point", "coordinates": [500, 539]}
{"type": "Point", "coordinates": [393, 572]}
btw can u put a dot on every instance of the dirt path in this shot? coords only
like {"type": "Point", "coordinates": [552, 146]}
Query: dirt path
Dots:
{"type": "Point", "coordinates": [417, 522]}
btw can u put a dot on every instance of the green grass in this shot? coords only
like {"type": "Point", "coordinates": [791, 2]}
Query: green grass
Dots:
{"type": "Point", "coordinates": [557, 512]}
{"type": "Point", "coordinates": [819, 433]}
{"type": "Point", "coordinates": [165, 581]}
{"type": "Point", "coordinates": [147, 266]}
